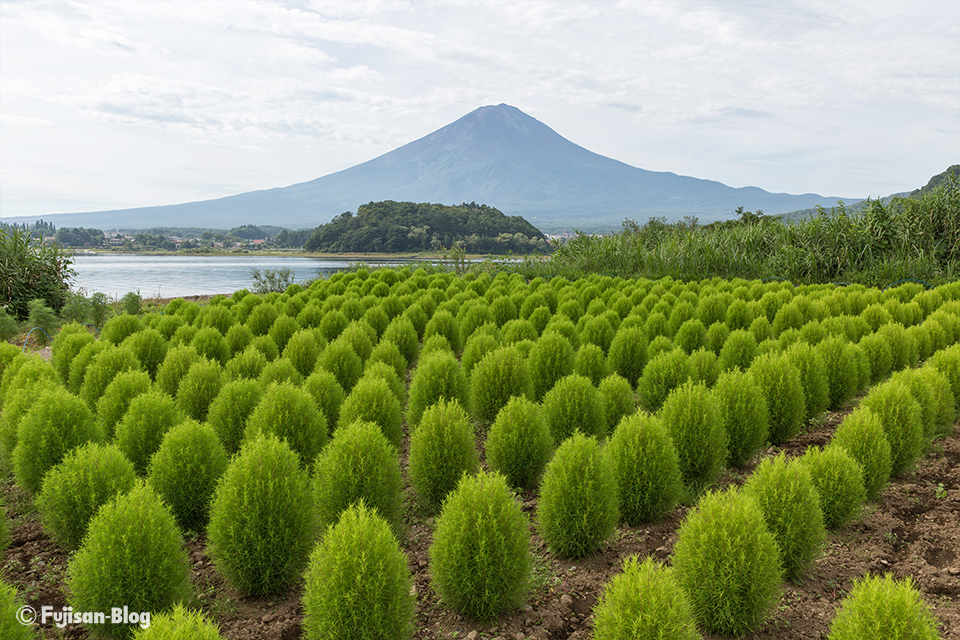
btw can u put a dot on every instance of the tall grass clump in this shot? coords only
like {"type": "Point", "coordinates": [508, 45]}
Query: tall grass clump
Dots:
{"type": "Point", "coordinates": [743, 412]}
{"type": "Point", "coordinates": [899, 414]}
{"type": "Point", "coordinates": [839, 483]}
{"type": "Point", "coordinates": [359, 463]}
{"type": "Point", "coordinates": [662, 374]}
{"type": "Point", "coordinates": [55, 424]}
{"type": "Point", "coordinates": [438, 376]}
{"type": "Point", "coordinates": [133, 554]}
{"type": "Point", "coordinates": [646, 468]}
{"type": "Point", "coordinates": [198, 388]}
{"type": "Point", "coordinates": [519, 444]}
{"type": "Point", "coordinates": [550, 359]}
{"type": "Point", "coordinates": [73, 490]}
{"type": "Point", "coordinates": [141, 430]}
{"type": "Point", "coordinates": [861, 434]}
{"type": "Point", "coordinates": [501, 375]}
{"type": "Point", "coordinates": [791, 508]}
{"type": "Point", "coordinates": [779, 381]}
{"type": "Point", "coordinates": [813, 378]}
{"type": "Point", "coordinates": [617, 398]}
{"type": "Point", "coordinates": [883, 607]}
{"type": "Point", "coordinates": [115, 401]}
{"type": "Point", "coordinates": [184, 472]}
{"type": "Point", "coordinates": [574, 404]}
{"type": "Point", "coordinates": [480, 560]}
{"type": "Point", "coordinates": [442, 448]}
{"type": "Point", "coordinates": [231, 409]}
{"type": "Point", "coordinates": [357, 581]}
{"type": "Point", "coordinates": [291, 414]}
{"type": "Point", "coordinates": [643, 601]}
{"type": "Point", "coordinates": [578, 508]}
{"type": "Point", "coordinates": [728, 563]}
{"type": "Point", "coordinates": [691, 415]}
{"type": "Point", "coordinates": [262, 520]}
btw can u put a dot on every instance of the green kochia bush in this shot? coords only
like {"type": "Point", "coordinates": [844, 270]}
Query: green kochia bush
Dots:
{"type": "Point", "coordinates": [841, 370]}
{"type": "Point", "coordinates": [357, 582]}
{"type": "Point", "coordinates": [480, 557]}
{"type": "Point", "coordinates": [104, 367]}
{"type": "Point", "coordinates": [179, 624]}
{"type": "Point", "coordinates": [550, 359]}
{"type": "Point", "coordinates": [73, 491]}
{"type": "Point", "coordinates": [519, 444]}
{"type": "Point", "coordinates": [791, 508]}
{"type": "Point", "coordinates": [883, 608]}
{"type": "Point", "coordinates": [118, 328]}
{"type": "Point", "coordinates": [839, 483]}
{"type": "Point", "coordinates": [210, 344]}
{"type": "Point", "coordinates": [58, 422]}
{"type": "Point", "coordinates": [280, 370]}
{"type": "Point", "coordinates": [291, 414]}
{"type": "Point", "coordinates": [184, 472]}
{"type": "Point", "coordinates": [199, 388]}
{"type": "Point", "coordinates": [861, 434]}
{"type": "Point", "coordinates": [578, 506]}
{"type": "Point", "coordinates": [644, 601]}
{"type": "Point", "coordinates": [327, 393]}
{"type": "Point", "coordinates": [249, 364]}
{"type": "Point", "coordinates": [692, 416]}
{"type": "Point", "coordinates": [899, 414]}
{"type": "Point", "coordinates": [174, 367]}
{"type": "Point", "coordinates": [499, 376]}
{"type": "Point", "coordinates": [663, 373]}
{"type": "Point", "coordinates": [358, 463]}
{"type": "Point", "coordinates": [743, 411]}
{"type": "Point", "coordinates": [341, 360]}
{"type": "Point", "coordinates": [140, 432]}
{"type": "Point", "coordinates": [616, 396]}
{"type": "Point", "coordinates": [728, 563]}
{"type": "Point", "coordinates": [813, 378]}
{"type": "Point", "coordinates": [574, 404]}
{"type": "Point", "coordinates": [115, 401]}
{"type": "Point", "coordinates": [10, 605]}
{"type": "Point", "coordinates": [132, 554]}
{"type": "Point", "coordinates": [230, 410]}
{"type": "Point", "coordinates": [438, 376]}
{"type": "Point", "coordinates": [646, 468]}
{"type": "Point", "coordinates": [628, 353]}
{"type": "Point", "coordinates": [442, 449]}
{"type": "Point", "coordinates": [262, 520]}
{"type": "Point", "coordinates": [372, 400]}
{"type": "Point", "coordinates": [780, 383]}
{"type": "Point", "coordinates": [65, 348]}
{"type": "Point", "coordinates": [590, 362]}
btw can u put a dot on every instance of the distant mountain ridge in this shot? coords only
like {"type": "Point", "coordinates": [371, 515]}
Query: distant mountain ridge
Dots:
{"type": "Point", "coordinates": [495, 155]}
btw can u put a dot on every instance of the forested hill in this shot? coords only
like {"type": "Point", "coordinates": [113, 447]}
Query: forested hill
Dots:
{"type": "Point", "coordinates": [401, 227]}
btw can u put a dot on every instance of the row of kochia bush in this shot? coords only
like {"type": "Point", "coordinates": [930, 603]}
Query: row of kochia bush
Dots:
{"type": "Point", "coordinates": [140, 389]}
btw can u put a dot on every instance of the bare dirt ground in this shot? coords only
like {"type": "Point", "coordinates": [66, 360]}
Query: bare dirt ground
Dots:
{"type": "Point", "coordinates": [912, 530]}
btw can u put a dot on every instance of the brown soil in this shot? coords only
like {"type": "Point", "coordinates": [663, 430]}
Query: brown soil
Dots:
{"type": "Point", "coordinates": [913, 530]}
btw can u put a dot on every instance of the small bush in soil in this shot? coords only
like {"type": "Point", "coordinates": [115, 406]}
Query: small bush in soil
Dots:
{"type": "Point", "coordinates": [947, 362]}
{"type": "Point", "coordinates": [55, 424]}
{"type": "Point", "coordinates": [25, 375]}
{"type": "Point", "coordinates": [899, 414]}
{"type": "Point", "coordinates": [838, 480]}
{"type": "Point", "coordinates": [779, 381]}
{"type": "Point", "coordinates": [578, 506]}
{"type": "Point", "coordinates": [104, 367]}
{"type": "Point", "coordinates": [174, 367]}
{"type": "Point", "coordinates": [371, 400]}
{"type": "Point", "coordinates": [198, 388]}
{"type": "Point", "coordinates": [743, 411]}
{"type": "Point", "coordinates": [357, 582]}
{"type": "Point", "coordinates": [861, 434]}
{"type": "Point", "coordinates": [248, 364]}
{"type": "Point", "coordinates": [519, 444]}
{"type": "Point", "coordinates": [140, 432]}
{"type": "Point", "coordinates": [574, 404]}
{"type": "Point", "coordinates": [644, 601]}
{"type": "Point", "coordinates": [280, 370]}
{"type": "Point", "coordinates": [65, 348]}
{"type": "Point", "coordinates": [282, 329]}
{"type": "Point", "coordinates": [692, 417]}
{"type": "Point", "coordinates": [943, 400]}
{"type": "Point", "coordinates": [210, 344]}
{"type": "Point", "coordinates": [118, 328]}
{"type": "Point", "coordinates": [10, 605]}
{"type": "Point", "coordinates": [132, 554]}
{"type": "Point", "coordinates": [690, 336]}
{"type": "Point", "coordinates": [179, 624]}
{"type": "Point", "coordinates": [327, 393]}
{"type": "Point", "coordinates": [442, 448]}
{"type": "Point", "coordinates": [646, 468]}
{"type": "Point", "coordinates": [727, 562]}
{"type": "Point", "coordinates": [628, 353]}
{"type": "Point", "coordinates": [291, 414]}
{"type": "Point", "coordinates": [231, 409]}
{"type": "Point", "coordinates": [262, 318]}
{"type": "Point", "coordinates": [115, 401]}
{"type": "Point", "coordinates": [791, 508]}
{"type": "Point", "coordinates": [590, 362]}
{"type": "Point", "coordinates": [480, 556]}
{"type": "Point", "coordinates": [813, 378]}
{"type": "Point", "coordinates": [903, 348]}
{"type": "Point", "coordinates": [518, 331]}
{"type": "Point", "coordinates": [402, 332]}
{"type": "Point", "coordinates": [358, 463]}
{"type": "Point", "coordinates": [842, 373]}
{"type": "Point", "coordinates": [438, 376]}
{"type": "Point", "coordinates": [501, 375]}
{"type": "Point", "coordinates": [79, 365]}
{"type": "Point", "coordinates": [262, 520]}
{"type": "Point", "coordinates": [878, 353]}
{"type": "Point", "coordinates": [388, 353]}
{"type": "Point", "coordinates": [342, 361]}
{"type": "Point", "coordinates": [72, 491]}
{"type": "Point", "coordinates": [616, 396]}
{"type": "Point", "coordinates": [882, 607]}
{"type": "Point", "coordinates": [385, 372]}
{"type": "Point", "coordinates": [663, 373]}
{"type": "Point", "coordinates": [550, 359]}
{"type": "Point", "coordinates": [185, 469]}
{"type": "Point", "coordinates": [445, 324]}
{"type": "Point", "coordinates": [703, 367]}
{"type": "Point", "coordinates": [923, 393]}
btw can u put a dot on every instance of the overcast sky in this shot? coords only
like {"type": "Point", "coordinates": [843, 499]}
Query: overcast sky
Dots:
{"type": "Point", "coordinates": [108, 105]}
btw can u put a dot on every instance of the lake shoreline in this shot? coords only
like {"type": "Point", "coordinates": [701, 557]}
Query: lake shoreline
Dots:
{"type": "Point", "coordinates": [356, 257]}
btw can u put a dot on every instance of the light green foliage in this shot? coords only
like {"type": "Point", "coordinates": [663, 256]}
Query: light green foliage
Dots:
{"type": "Point", "coordinates": [238, 338]}
{"type": "Point", "coordinates": [519, 330]}
{"type": "Point", "coordinates": [248, 364]}
{"type": "Point", "coordinates": [861, 434]}
{"type": "Point", "coordinates": [899, 414]}
{"type": "Point", "coordinates": [628, 353]}
{"type": "Point", "coordinates": [357, 582]}
{"type": "Point", "coordinates": [199, 387]}
{"type": "Point", "coordinates": [55, 424]}
{"type": "Point", "coordinates": [25, 374]}
{"type": "Point", "coordinates": [519, 444]}
{"type": "Point", "coordinates": [882, 607]}
{"type": "Point", "coordinates": [140, 432]}
{"type": "Point", "coordinates": [115, 401]}
{"type": "Point", "coordinates": [504, 310]}
{"type": "Point", "coordinates": [230, 410]}
{"type": "Point", "coordinates": [72, 491]}
{"type": "Point", "coordinates": [876, 315]}
{"type": "Point", "coordinates": [282, 330]}
{"type": "Point", "coordinates": [438, 376]}
{"type": "Point", "coordinates": [185, 469]}
{"type": "Point", "coordinates": [132, 554]}
{"type": "Point", "coordinates": [879, 355]}
{"type": "Point", "coordinates": [480, 557]}
{"type": "Point", "coordinates": [262, 317]}
{"type": "Point", "coordinates": [692, 416]}
{"type": "Point", "coordinates": [372, 400]}
{"type": "Point", "coordinates": [727, 562]}
{"type": "Point", "coordinates": [690, 336]}
{"type": "Point", "coordinates": [779, 381]}
{"type": "Point", "coordinates": [743, 411]}
{"type": "Point", "coordinates": [501, 375]}
{"type": "Point", "coordinates": [578, 507]}
{"type": "Point", "coordinates": [210, 344]}
{"type": "Point", "coordinates": [644, 601]}
{"type": "Point", "coordinates": [10, 605]}
{"type": "Point", "coordinates": [107, 364]}
{"type": "Point", "coordinates": [442, 448]}
{"type": "Point", "coordinates": [717, 335]}
{"type": "Point", "coordinates": [598, 331]}
{"type": "Point", "coordinates": [839, 483]}
{"type": "Point", "coordinates": [791, 508]}
{"type": "Point", "coordinates": [327, 393]}
{"type": "Point", "coordinates": [119, 328]}
{"type": "Point", "coordinates": [266, 346]}
{"type": "Point", "coordinates": [342, 361]}
{"type": "Point", "coordinates": [388, 353]}
{"type": "Point", "coordinates": [574, 404]}
{"type": "Point", "coordinates": [389, 375]}
{"type": "Point", "coordinates": [149, 347]}
{"type": "Point", "coordinates": [841, 370]}
{"type": "Point", "coordinates": [8, 325]}
{"type": "Point", "coordinates": [280, 370]}
{"type": "Point", "coordinates": [445, 324]}
{"type": "Point", "coordinates": [550, 359]}
{"type": "Point", "coordinates": [947, 362]}
{"type": "Point", "coordinates": [616, 396]}
{"type": "Point", "coordinates": [358, 463]}
{"type": "Point", "coordinates": [646, 468]}
{"type": "Point", "coordinates": [291, 414]}
{"type": "Point", "coordinates": [262, 520]}
{"type": "Point", "coordinates": [591, 362]}
{"type": "Point", "coordinates": [65, 347]}
{"type": "Point", "coordinates": [179, 624]}
{"type": "Point", "coordinates": [174, 367]}
{"type": "Point", "coordinates": [943, 400]}
{"type": "Point", "coordinates": [903, 347]}
{"type": "Point", "coordinates": [813, 378]}
{"type": "Point", "coordinates": [663, 373]}
{"type": "Point", "coordinates": [703, 366]}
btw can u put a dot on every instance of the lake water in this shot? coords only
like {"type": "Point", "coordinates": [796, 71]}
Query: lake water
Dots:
{"type": "Point", "coordinates": [173, 276]}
